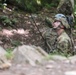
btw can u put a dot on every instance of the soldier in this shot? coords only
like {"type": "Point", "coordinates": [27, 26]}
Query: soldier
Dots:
{"type": "Point", "coordinates": [66, 7]}
{"type": "Point", "coordinates": [60, 39]}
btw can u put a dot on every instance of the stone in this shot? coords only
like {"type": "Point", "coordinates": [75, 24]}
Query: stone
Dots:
{"type": "Point", "coordinates": [5, 66]}
{"type": "Point", "coordinates": [70, 73]}
{"type": "Point", "coordinates": [49, 66]}
{"type": "Point", "coordinates": [58, 57]}
{"type": "Point", "coordinates": [28, 54]}
{"type": "Point", "coordinates": [72, 59]}
{"type": "Point", "coordinates": [3, 60]}
{"type": "Point", "coordinates": [67, 61]}
{"type": "Point", "coordinates": [51, 62]}
{"type": "Point", "coordinates": [2, 51]}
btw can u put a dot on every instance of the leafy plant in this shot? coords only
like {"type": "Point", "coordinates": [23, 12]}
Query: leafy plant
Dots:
{"type": "Point", "coordinates": [9, 54]}
{"type": "Point", "coordinates": [14, 21]}
{"type": "Point", "coordinates": [16, 43]}
{"type": "Point", "coordinates": [75, 26]}
{"type": "Point", "coordinates": [6, 21]}
{"type": "Point", "coordinates": [48, 6]}
{"type": "Point", "coordinates": [1, 5]}
{"type": "Point", "coordinates": [34, 5]}
{"type": "Point", "coordinates": [3, 17]}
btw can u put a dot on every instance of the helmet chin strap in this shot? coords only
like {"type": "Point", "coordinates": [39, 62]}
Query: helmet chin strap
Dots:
{"type": "Point", "coordinates": [61, 26]}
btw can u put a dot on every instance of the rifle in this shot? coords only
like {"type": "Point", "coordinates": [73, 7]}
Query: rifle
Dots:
{"type": "Point", "coordinates": [70, 21]}
{"type": "Point", "coordinates": [72, 40]}
{"type": "Point", "coordinates": [50, 48]}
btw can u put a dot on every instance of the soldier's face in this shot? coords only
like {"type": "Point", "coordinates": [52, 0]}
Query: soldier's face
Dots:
{"type": "Point", "coordinates": [56, 24]}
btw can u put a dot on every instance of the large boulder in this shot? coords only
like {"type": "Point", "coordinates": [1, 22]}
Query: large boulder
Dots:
{"type": "Point", "coordinates": [28, 54]}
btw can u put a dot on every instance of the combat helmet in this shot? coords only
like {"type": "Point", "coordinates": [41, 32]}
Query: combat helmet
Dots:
{"type": "Point", "coordinates": [62, 18]}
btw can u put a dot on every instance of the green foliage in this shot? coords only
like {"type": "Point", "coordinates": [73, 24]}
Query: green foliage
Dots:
{"type": "Point", "coordinates": [9, 54]}
{"type": "Point", "coordinates": [49, 5]}
{"type": "Point", "coordinates": [14, 21]}
{"type": "Point", "coordinates": [1, 5]}
{"type": "Point", "coordinates": [34, 5]}
{"type": "Point", "coordinates": [75, 14]}
{"type": "Point", "coordinates": [16, 43]}
{"type": "Point", "coordinates": [75, 26]}
{"type": "Point", "coordinates": [28, 5]}
{"type": "Point", "coordinates": [6, 21]}
{"type": "Point", "coordinates": [50, 55]}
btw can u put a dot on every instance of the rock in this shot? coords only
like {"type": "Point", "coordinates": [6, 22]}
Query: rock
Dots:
{"type": "Point", "coordinates": [28, 54]}
{"type": "Point", "coordinates": [5, 66]}
{"type": "Point", "coordinates": [58, 57]}
{"type": "Point", "coordinates": [3, 60]}
{"type": "Point", "coordinates": [72, 59]}
{"type": "Point", "coordinates": [67, 61]}
{"type": "Point", "coordinates": [51, 62]}
{"type": "Point", "coordinates": [2, 51]}
{"type": "Point", "coordinates": [49, 66]}
{"type": "Point", "coordinates": [70, 73]}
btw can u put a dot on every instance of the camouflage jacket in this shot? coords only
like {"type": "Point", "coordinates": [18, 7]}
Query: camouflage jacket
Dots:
{"type": "Point", "coordinates": [64, 43]}
{"type": "Point", "coordinates": [50, 36]}
{"type": "Point", "coordinates": [60, 43]}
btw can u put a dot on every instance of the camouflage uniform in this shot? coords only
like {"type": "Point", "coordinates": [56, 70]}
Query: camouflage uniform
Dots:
{"type": "Point", "coordinates": [62, 43]}
{"type": "Point", "coordinates": [65, 7]}
{"type": "Point", "coordinates": [50, 36]}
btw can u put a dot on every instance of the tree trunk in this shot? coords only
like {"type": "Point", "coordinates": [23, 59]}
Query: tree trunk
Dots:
{"type": "Point", "coordinates": [72, 2]}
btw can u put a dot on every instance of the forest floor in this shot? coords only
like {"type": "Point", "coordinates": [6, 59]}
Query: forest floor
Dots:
{"type": "Point", "coordinates": [26, 32]}
{"type": "Point", "coordinates": [49, 67]}
{"type": "Point", "coordinates": [28, 29]}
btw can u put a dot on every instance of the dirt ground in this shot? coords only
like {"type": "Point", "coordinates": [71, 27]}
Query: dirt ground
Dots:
{"type": "Point", "coordinates": [24, 31]}
{"type": "Point", "coordinates": [46, 68]}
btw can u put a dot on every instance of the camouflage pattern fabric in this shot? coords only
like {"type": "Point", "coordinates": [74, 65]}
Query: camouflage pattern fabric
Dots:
{"type": "Point", "coordinates": [64, 43]}
{"type": "Point", "coordinates": [50, 36]}
{"type": "Point", "coordinates": [65, 7]}
{"type": "Point", "coordinates": [60, 43]}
